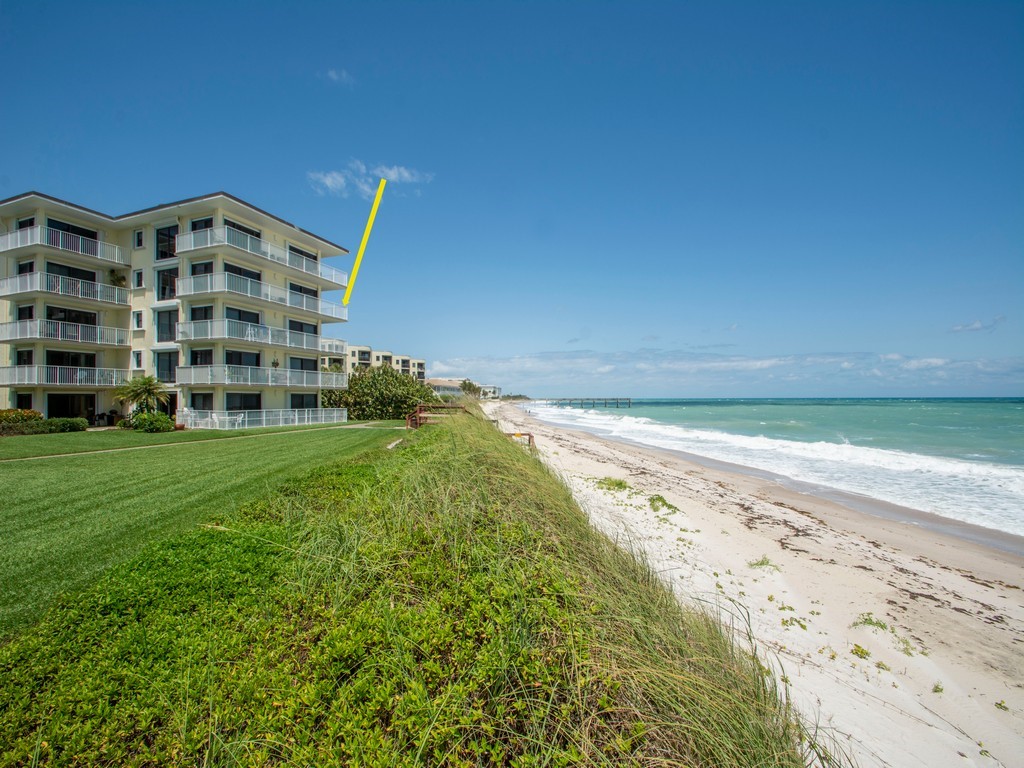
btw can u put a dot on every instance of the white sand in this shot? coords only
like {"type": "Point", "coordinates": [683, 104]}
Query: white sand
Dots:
{"type": "Point", "coordinates": [929, 690]}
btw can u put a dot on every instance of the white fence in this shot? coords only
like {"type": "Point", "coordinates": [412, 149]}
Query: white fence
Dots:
{"type": "Point", "coordinates": [65, 241]}
{"type": "Point", "coordinates": [193, 419]}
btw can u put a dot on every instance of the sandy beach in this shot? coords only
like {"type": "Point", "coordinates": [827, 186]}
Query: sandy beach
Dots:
{"type": "Point", "coordinates": [905, 642]}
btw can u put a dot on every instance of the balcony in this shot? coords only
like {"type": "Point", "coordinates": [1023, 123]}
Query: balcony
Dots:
{"type": "Point", "coordinates": [57, 330]}
{"type": "Point", "coordinates": [333, 347]}
{"type": "Point", "coordinates": [218, 236]}
{"type": "Point", "coordinates": [241, 375]}
{"type": "Point", "coordinates": [63, 241]}
{"type": "Point", "coordinates": [42, 282]}
{"type": "Point", "coordinates": [250, 332]}
{"type": "Point", "coordinates": [62, 376]}
{"type": "Point", "coordinates": [250, 419]}
{"type": "Point", "coordinates": [226, 282]}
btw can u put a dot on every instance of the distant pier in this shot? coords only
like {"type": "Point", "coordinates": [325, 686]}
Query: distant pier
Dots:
{"type": "Point", "coordinates": [594, 402]}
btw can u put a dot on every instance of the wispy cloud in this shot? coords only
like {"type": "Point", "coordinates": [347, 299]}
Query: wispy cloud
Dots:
{"type": "Point", "coordinates": [977, 325]}
{"type": "Point", "coordinates": [358, 179]}
{"type": "Point", "coordinates": [342, 77]}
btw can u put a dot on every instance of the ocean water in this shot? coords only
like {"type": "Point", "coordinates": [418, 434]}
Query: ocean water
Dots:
{"type": "Point", "coordinates": [961, 459]}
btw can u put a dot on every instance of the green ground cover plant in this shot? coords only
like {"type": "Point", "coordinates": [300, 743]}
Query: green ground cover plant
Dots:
{"type": "Point", "coordinates": [612, 484]}
{"type": "Point", "coordinates": [445, 603]}
{"type": "Point", "coordinates": [67, 518]}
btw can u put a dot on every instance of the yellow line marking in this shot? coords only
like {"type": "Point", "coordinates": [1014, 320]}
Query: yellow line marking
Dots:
{"type": "Point", "coordinates": [362, 245]}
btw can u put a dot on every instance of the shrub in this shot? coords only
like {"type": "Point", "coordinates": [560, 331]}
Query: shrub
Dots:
{"type": "Point", "coordinates": [152, 422]}
{"type": "Point", "coordinates": [42, 427]}
{"type": "Point", "coordinates": [380, 393]}
{"type": "Point", "coordinates": [18, 415]}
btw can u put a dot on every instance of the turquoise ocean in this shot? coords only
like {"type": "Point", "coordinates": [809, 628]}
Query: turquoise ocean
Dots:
{"type": "Point", "coordinates": [960, 459]}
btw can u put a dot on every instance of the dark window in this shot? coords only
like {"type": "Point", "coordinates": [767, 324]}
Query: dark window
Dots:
{"type": "Point", "coordinates": [166, 246]}
{"type": "Point", "coordinates": [23, 400]}
{"type": "Point", "coordinates": [242, 228]}
{"type": "Point", "coordinates": [138, 279]}
{"type": "Point", "coordinates": [301, 327]}
{"type": "Point", "coordinates": [166, 326]}
{"type": "Point", "coordinates": [302, 364]}
{"type": "Point", "coordinates": [198, 224]}
{"type": "Point", "coordinates": [242, 401]}
{"type": "Point", "coordinates": [166, 366]}
{"type": "Point", "coordinates": [71, 359]}
{"type": "Point", "coordinates": [138, 238]}
{"type": "Point", "coordinates": [137, 320]}
{"type": "Point", "coordinates": [65, 271]}
{"type": "Point", "coordinates": [202, 357]}
{"type": "Point", "coordinates": [203, 268]}
{"type": "Point", "coordinates": [231, 313]}
{"type": "Point", "coordinates": [201, 313]}
{"type": "Point", "coordinates": [166, 284]}
{"type": "Point", "coordinates": [241, 272]}
{"type": "Point", "coordinates": [299, 252]}
{"type": "Point", "coordinates": [71, 229]}
{"type": "Point", "coordinates": [304, 401]}
{"type": "Point", "coordinates": [23, 357]}
{"type": "Point", "coordinates": [202, 401]}
{"type": "Point", "coordinates": [27, 312]}
{"type": "Point", "coordinates": [296, 288]}
{"type": "Point", "coordinates": [26, 223]}
{"type": "Point", "coordinates": [26, 267]}
{"type": "Point", "coordinates": [63, 315]}
{"type": "Point", "coordinates": [237, 357]}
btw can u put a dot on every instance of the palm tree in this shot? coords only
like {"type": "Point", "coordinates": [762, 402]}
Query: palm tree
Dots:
{"type": "Point", "coordinates": [144, 392]}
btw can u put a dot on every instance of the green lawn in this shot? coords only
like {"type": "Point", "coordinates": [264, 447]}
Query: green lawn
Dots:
{"type": "Point", "coordinates": [65, 519]}
{"type": "Point", "coordinates": [28, 446]}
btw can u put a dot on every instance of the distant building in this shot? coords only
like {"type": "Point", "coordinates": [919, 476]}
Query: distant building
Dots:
{"type": "Point", "coordinates": [446, 386]}
{"type": "Point", "coordinates": [354, 357]}
{"type": "Point", "coordinates": [487, 391]}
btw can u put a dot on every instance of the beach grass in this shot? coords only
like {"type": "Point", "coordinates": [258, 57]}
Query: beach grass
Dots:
{"type": "Point", "coordinates": [445, 603]}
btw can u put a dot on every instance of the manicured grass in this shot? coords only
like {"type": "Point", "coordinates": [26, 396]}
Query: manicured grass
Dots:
{"type": "Point", "coordinates": [67, 518]}
{"type": "Point", "coordinates": [28, 446]}
{"type": "Point", "coordinates": [445, 603]}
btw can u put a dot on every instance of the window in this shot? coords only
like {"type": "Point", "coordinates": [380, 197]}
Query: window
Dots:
{"type": "Point", "coordinates": [301, 327]}
{"type": "Point", "coordinates": [64, 315]}
{"type": "Point", "coordinates": [23, 357]}
{"type": "Point", "coordinates": [166, 326]}
{"type": "Point", "coordinates": [242, 228]}
{"type": "Point", "coordinates": [166, 284]}
{"type": "Point", "coordinates": [23, 400]}
{"type": "Point", "coordinates": [299, 252]}
{"type": "Point", "coordinates": [202, 268]}
{"type": "Point", "coordinates": [74, 272]}
{"type": "Point", "coordinates": [26, 312]}
{"type": "Point", "coordinates": [27, 222]}
{"type": "Point", "coordinates": [231, 269]}
{"type": "Point", "coordinates": [166, 246]}
{"type": "Point", "coordinates": [304, 401]}
{"type": "Point", "coordinates": [202, 401]}
{"type": "Point", "coordinates": [302, 364]}
{"type": "Point", "coordinates": [138, 281]}
{"type": "Point", "coordinates": [296, 288]}
{"type": "Point", "coordinates": [72, 238]}
{"type": "Point", "coordinates": [242, 401]}
{"type": "Point", "coordinates": [137, 238]}
{"type": "Point", "coordinates": [137, 360]}
{"type": "Point", "coordinates": [202, 357]}
{"type": "Point", "coordinates": [237, 357]}
{"type": "Point", "coordinates": [71, 359]}
{"type": "Point", "coordinates": [198, 224]}
{"type": "Point", "coordinates": [137, 320]}
{"type": "Point", "coordinates": [201, 313]}
{"type": "Point", "coordinates": [71, 229]}
{"type": "Point", "coordinates": [166, 365]}
{"type": "Point", "coordinates": [26, 267]}
{"type": "Point", "coordinates": [242, 315]}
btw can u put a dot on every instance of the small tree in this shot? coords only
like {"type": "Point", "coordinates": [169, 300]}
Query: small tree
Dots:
{"type": "Point", "coordinates": [383, 393]}
{"type": "Point", "coordinates": [143, 392]}
{"type": "Point", "coordinates": [470, 388]}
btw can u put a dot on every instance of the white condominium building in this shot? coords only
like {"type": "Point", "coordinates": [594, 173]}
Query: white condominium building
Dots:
{"type": "Point", "coordinates": [221, 301]}
{"type": "Point", "coordinates": [353, 357]}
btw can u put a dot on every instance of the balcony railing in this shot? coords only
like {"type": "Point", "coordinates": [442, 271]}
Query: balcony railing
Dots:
{"type": "Point", "coordinates": [259, 377]}
{"type": "Point", "coordinates": [250, 419]}
{"type": "Point", "coordinates": [255, 334]}
{"type": "Point", "coordinates": [62, 376]}
{"type": "Point", "coordinates": [226, 282]}
{"type": "Point", "coordinates": [335, 347]}
{"type": "Point", "coordinates": [65, 241]}
{"type": "Point", "coordinates": [60, 331]}
{"type": "Point", "coordinates": [65, 286]}
{"type": "Point", "coordinates": [206, 238]}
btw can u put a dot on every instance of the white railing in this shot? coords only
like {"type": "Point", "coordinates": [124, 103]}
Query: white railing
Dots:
{"type": "Point", "coordinates": [249, 419]}
{"type": "Point", "coordinates": [335, 347]}
{"type": "Point", "coordinates": [259, 377]}
{"type": "Point", "coordinates": [226, 282]}
{"type": "Point", "coordinates": [65, 241]}
{"type": "Point", "coordinates": [61, 331]}
{"type": "Point", "coordinates": [237, 329]}
{"type": "Point", "coordinates": [65, 286]}
{"type": "Point", "coordinates": [62, 376]}
{"type": "Point", "coordinates": [206, 238]}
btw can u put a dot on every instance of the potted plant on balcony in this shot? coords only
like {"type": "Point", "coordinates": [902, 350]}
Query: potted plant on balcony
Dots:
{"type": "Point", "coordinates": [118, 279]}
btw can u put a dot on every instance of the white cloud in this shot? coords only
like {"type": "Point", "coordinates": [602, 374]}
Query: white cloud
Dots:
{"type": "Point", "coordinates": [341, 76]}
{"type": "Point", "coordinates": [356, 177]}
{"type": "Point", "coordinates": [925, 362]}
{"type": "Point", "coordinates": [977, 325]}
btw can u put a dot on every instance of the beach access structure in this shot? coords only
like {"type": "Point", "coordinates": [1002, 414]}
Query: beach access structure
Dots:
{"type": "Point", "coordinates": [604, 402]}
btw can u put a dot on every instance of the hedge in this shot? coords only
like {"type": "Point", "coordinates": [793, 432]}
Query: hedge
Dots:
{"type": "Point", "coordinates": [42, 427]}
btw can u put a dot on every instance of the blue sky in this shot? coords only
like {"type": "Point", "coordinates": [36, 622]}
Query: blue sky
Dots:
{"type": "Point", "coordinates": [648, 199]}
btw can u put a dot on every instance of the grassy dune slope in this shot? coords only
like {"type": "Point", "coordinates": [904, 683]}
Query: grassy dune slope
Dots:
{"type": "Point", "coordinates": [441, 604]}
